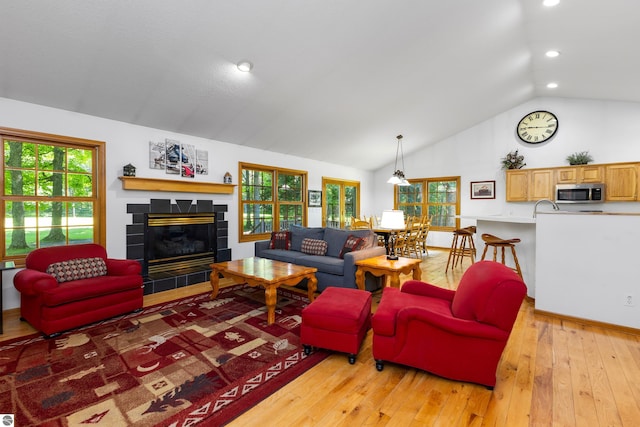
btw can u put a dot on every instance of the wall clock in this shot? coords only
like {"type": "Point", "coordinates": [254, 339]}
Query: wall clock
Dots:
{"type": "Point", "coordinates": [537, 127]}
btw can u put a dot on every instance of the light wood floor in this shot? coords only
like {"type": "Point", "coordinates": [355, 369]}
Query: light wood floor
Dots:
{"type": "Point", "coordinates": [554, 372]}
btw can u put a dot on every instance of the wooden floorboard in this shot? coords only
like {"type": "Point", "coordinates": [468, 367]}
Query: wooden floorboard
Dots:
{"type": "Point", "coordinates": [554, 372]}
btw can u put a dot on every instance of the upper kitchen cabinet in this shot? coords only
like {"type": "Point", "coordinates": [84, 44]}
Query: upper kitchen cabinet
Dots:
{"type": "Point", "coordinates": [524, 185]}
{"type": "Point", "coordinates": [541, 184]}
{"type": "Point", "coordinates": [517, 185]}
{"type": "Point", "coordinates": [528, 185]}
{"type": "Point", "coordinates": [580, 174]}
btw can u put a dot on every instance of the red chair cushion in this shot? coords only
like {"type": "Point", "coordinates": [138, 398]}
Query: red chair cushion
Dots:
{"type": "Point", "coordinates": [483, 293]}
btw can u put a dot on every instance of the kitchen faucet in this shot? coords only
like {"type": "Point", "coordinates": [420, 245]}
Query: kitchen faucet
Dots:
{"type": "Point", "coordinates": [554, 204]}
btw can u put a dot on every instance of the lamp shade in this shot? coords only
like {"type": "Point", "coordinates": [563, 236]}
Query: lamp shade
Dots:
{"type": "Point", "coordinates": [394, 180]}
{"type": "Point", "coordinates": [392, 219]}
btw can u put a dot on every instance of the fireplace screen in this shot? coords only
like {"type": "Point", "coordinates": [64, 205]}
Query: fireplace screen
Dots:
{"type": "Point", "coordinates": [178, 241]}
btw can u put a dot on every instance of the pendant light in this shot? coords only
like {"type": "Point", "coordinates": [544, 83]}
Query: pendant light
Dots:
{"type": "Point", "coordinates": [398, 176]}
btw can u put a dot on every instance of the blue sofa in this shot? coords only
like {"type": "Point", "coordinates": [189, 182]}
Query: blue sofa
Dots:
{"type": "Point", "coordinates": [332, 270]}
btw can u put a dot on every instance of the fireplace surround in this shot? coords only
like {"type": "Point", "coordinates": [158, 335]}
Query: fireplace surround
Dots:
{"type": "Point", "coordinates": [176, 242]}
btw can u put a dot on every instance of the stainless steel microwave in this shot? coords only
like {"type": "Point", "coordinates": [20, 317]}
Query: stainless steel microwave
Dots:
{"type": "Point", "coordinates": [580, 193]}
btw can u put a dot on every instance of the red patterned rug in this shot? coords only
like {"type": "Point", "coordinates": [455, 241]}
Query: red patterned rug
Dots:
{"type": "Point", "coordinates": [181, 363]}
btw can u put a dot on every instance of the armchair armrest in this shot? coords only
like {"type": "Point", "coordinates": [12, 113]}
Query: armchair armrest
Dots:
{"type": "Point", "coordinates": [417, 287]}
{"type": "Point", "coordinates": [468, 328]}
{"type": "Point", "coordinates": [33, 282]}
{"type": "Point", "coordinates": [122, 267]}
{"type": "Point", "coordinates": [350, 259]}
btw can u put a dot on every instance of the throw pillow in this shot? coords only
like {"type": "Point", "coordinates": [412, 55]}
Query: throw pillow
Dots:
{"type": "Point", "coordinates": [298, 233]}
{"type": "Point", "coordinates": [352, 244]}
{"type": "Point", "coordinates": [280, 240]}
{"type": "Point", "coordinates": [313, 246]}
{"type": "Point", "coordinates": [77, 268]}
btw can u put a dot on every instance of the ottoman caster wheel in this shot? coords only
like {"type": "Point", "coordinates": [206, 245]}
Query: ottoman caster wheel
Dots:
{"type": "Point", "coordinates": [379, 365]}
{"type": "Point", "coordinates": [307, 349]}
{"type": "Point", "coordinates": [352, 359]}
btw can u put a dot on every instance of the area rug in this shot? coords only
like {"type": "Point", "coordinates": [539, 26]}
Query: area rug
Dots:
{"type": "Point", "coordinates": [186, 362]}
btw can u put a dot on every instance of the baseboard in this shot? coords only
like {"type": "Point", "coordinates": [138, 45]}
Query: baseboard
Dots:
{"type": "Point", "coordinates": [11, 311]}
{"type": "Point", "coordinates": [619, 328]}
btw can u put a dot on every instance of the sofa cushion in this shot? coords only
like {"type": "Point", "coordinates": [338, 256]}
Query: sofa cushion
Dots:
{"type": "Point", "coordinates": [313, 246]}
{"type": "Point", "coordinates": [335, 239]}
{"type": "Point", "coordinates": [299, 233]}
{"type": "Point", "coordinates": [352, 244]}
{"type": "Point", "coordinates": [77, 268]}
{"type": "Point", "coordinates": [85, 289]}
{"type": "Point", "coordinates": [280, 240]}
{"type": "Point", "coordinates": [324, 264]}
{"type": "Point", "coordinates": [283, 255]}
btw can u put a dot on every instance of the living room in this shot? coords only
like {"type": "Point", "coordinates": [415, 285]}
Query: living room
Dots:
{"type": "Point", "coordinates": [605, 127]}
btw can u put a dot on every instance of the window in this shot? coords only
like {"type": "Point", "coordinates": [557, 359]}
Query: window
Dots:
{"type": "Point", "coordinates": [441, 203]}
{"type": "Point", "coordinates": [341, 201]}
{"type": "Point", "coordinates": [271, 199]}
{"type": "Point", "coordinates": [52, 192]}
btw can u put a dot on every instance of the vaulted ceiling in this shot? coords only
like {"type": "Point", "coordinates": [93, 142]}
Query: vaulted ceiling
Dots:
{"type": "Point", "coordinates": [333, 80]}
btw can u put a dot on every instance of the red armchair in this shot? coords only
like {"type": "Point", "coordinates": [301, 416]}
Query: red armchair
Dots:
{"type": "Point", "coordinates": [64, 287]}
{"type": "Point", "coordinates": [454, 334]}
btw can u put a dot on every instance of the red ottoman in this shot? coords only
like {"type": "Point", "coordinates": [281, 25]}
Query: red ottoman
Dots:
{"type": "Point", "coordinates": [337, 319]}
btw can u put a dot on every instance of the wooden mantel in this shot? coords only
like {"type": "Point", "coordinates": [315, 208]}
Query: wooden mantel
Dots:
{"type": "Point", "coordinates": [155, 184]}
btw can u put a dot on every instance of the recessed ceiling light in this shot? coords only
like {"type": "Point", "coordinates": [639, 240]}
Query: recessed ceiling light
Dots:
{"type": "Point", "coordinates": [245, 66]}
{"type": "Point", "coordinates": [552, 53]}
{"type": "Point", "coordinates": [552, 85]}
{"type": "Point", "coordinates": [550, 3]}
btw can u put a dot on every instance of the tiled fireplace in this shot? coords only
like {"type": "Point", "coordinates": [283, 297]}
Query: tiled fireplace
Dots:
{"type": "Point", "coordinates": [176, 242]}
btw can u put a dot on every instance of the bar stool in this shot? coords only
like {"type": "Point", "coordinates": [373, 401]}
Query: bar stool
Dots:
{"type": "Point", "coordinates": [496, 242]}
{"type": "Point", "coordinates": [462, 246]}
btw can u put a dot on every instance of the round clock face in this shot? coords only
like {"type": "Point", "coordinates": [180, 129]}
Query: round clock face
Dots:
{"type": "Point", "coordinates": [537, 127]}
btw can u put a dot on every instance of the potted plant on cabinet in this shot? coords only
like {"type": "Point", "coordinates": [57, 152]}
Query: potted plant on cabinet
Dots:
{"type": "Point", "coordinates": [579, 158]}
{"type": "Point", "coordinates": [513, 160]}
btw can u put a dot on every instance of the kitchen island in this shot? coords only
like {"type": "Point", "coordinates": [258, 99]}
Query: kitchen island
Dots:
{"type": "Point", "coordinates": [509, 227]}
{"type": "Point", "coordinates": [587, 266]}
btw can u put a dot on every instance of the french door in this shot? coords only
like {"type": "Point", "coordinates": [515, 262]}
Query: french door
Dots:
{"type": "Point", "coordinates": [341, 201]}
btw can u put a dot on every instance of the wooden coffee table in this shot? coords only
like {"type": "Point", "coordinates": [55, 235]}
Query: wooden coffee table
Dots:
{"type": "Point", "coordinates": [266, 273]}
{"type": "Point", "coordinates": [381, 266]}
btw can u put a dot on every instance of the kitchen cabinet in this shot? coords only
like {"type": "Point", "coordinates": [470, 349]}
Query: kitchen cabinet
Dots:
{"type": "Point", "coordinates": [621, 182]}
{"type": "Point", "coordinates": [541, 184]}
{"type": "Point", "coordinates": [517, 185]}
{"type": "Point", "coordinates": [527, 185]}
{"type": "Point", "coordinates": [580, 174]}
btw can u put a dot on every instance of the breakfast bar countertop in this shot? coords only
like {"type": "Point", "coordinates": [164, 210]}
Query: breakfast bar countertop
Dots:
{"type": "Point", "coordinates": [502, 218]}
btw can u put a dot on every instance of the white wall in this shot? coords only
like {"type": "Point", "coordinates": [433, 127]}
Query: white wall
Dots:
{"type": "Point", "coordinates": [607, 129]}
{"type": "Point", "coordinates": [127, 143]}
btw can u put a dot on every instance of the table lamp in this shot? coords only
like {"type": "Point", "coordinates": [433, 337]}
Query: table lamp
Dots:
{"type": "Point", "coordinates": [392, 220]}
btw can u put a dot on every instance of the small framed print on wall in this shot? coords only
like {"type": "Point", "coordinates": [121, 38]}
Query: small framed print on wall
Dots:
{"type": "Point", "coordinates": [315, 199]}
{"type": "Point", "coordinates": [483, 190]}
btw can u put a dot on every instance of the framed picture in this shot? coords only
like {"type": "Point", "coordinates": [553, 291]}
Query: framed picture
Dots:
{"type": "Point", "coordinates": [483, 190]}
{"type": "Point", "coordinates": [315, 198]}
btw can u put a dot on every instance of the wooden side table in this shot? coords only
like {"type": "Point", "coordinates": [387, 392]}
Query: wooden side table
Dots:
{"type": "Point", "coordinates": [381, 266]}
{"type": "Point", "coordinates": [4, 265]}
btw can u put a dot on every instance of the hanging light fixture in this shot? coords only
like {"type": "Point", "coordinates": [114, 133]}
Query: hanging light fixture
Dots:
{"type": "Point", "coordinates": [398, 176]}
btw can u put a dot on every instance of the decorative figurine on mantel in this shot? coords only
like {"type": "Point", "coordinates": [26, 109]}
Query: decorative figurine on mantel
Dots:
{"type": "Point", "coordinates": [129, 170]}
{"type": "Point", "coordinates": [227, 178]}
